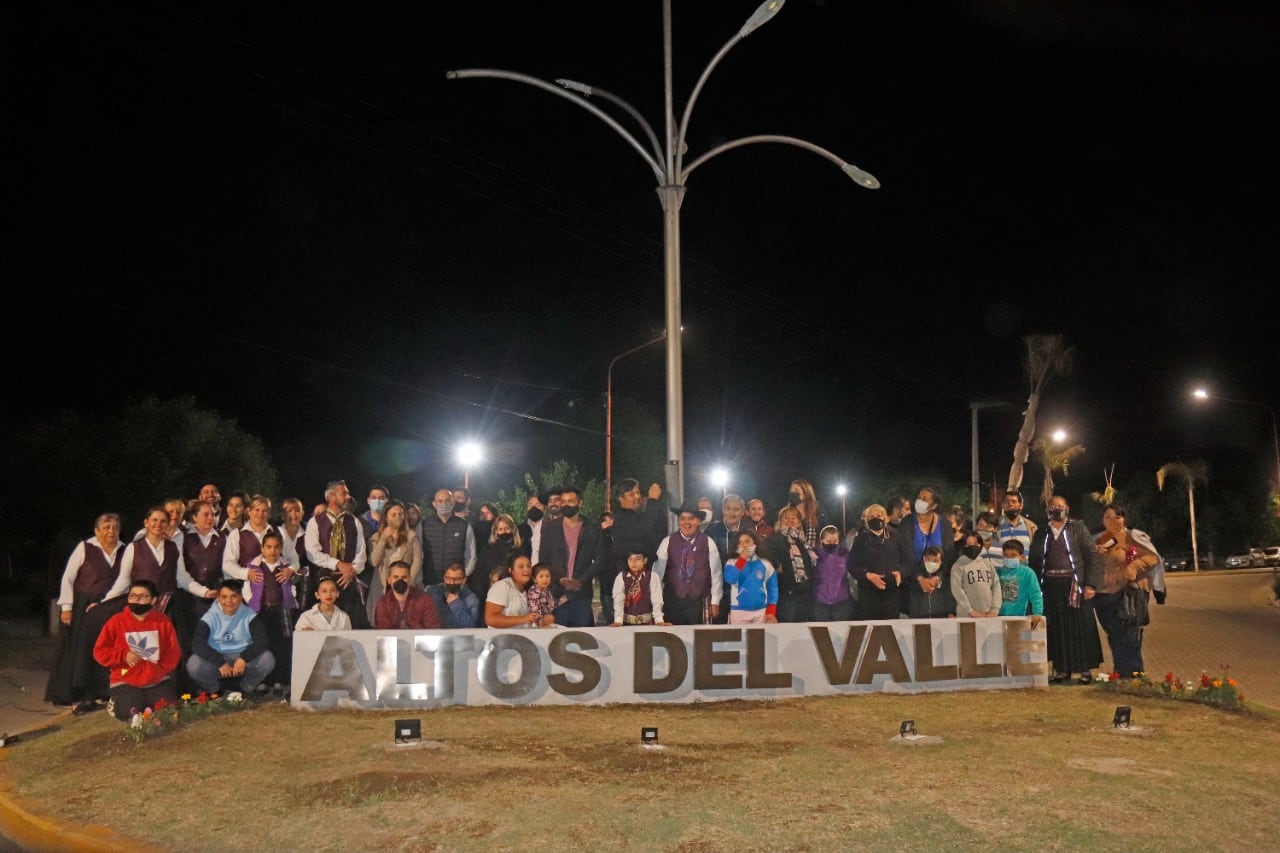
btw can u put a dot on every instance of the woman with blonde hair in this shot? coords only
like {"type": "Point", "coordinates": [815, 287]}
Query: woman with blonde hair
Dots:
{"type": "Point", "coordinates": [504, 540]}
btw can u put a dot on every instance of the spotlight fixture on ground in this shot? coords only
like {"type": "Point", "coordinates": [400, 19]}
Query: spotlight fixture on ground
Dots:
{"type": "Point", "coordinates": [649, 735]}
{"type": "Point", "coordinates": [1122, 717]}
{"type": "Point", "coordinates": [408, 732]}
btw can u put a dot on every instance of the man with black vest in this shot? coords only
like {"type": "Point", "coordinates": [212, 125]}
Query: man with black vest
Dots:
{"type": "Point", "coordinates": [336, 549]}
{"type": "Point", "coordinates": [692, 573]}
{"type": "Point", "coordinates": [446, 539]}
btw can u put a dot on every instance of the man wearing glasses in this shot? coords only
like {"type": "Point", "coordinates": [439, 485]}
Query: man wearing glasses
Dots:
{"type": "Point", "coordinates": [139, 648]}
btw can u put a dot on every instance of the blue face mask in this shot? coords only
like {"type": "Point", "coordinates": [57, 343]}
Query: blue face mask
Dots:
{"type": "Point", "coordinates": [376, 504]}
{"type": "Point", "coordinates": [1012, 562]}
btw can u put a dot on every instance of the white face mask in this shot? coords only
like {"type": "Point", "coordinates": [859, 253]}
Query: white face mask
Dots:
{"type": "Point", "coordinates": [922, 506]}
{"type": "Point", "coordinates": [931, 567]}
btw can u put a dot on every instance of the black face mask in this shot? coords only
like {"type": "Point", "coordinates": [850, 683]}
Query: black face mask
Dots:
{"type": "Point", "coordinates": [138, 608]}
{"type": "Point", "coordinates": [459, 506]}
{"type": "Point", "coordinates": [1056, 514]}
{"type": "Point", "coordinates": [533, 514]}
{"type": "Point", "coordinates": [875, 524]}
{"type": "Point", "coordinates": [453, 588]}
{"type": "Point", "coordinates": [830, 547]}
{"type": "Point", "coordinates": [401, 586]}
{"type": "Point", "coordinates": [568, 511]}
{"type": "Point", "coordinates": [795, 498]}
{"type": "Point", "coordinates": [972, 551]}
{"type": "Point", "coordinates": [504, 537]}
{"type": "Point", "coordinates": [1012, 514]}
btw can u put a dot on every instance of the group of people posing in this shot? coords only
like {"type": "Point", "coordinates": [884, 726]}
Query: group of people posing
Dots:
{"type": "Point", "coordinates": [232, 587]}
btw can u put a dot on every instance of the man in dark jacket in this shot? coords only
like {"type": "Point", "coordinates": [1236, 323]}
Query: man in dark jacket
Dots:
{"type": "Point", "coordinates": [573, 547]}
{"type": "Point", "coordinates": [446, 538]}
{"type": "Point", "coordinates": [636, 525]}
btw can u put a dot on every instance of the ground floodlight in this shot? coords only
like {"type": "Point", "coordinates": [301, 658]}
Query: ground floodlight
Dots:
{"type": "Point", "coordinates": [1122, 717]}
{"type": "Point", "coordinates": [408, 732]}
{"type": "Point", "coordinates": [907, 729]}
{"type": "Point", "coordinates": [649, 735]}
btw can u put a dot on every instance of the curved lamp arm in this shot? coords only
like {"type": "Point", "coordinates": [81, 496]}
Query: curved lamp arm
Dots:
{"type": "Point", "coordinates": [465, 73]}
{"type": "Point", "coordinates": [862, 178]}
{"type": "Point", "coordinates": [595, 91]}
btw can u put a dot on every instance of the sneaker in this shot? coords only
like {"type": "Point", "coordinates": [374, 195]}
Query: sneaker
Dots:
{"type": "Point", "coordinates": [1085, 678]}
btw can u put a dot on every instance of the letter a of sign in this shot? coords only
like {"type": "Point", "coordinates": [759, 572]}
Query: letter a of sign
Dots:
{"type": "Point", "coordinates": [337, 667]}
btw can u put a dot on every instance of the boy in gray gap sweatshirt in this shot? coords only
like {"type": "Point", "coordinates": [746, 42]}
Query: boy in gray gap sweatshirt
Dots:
{"type": "Point", "coordinates": [974, 581]}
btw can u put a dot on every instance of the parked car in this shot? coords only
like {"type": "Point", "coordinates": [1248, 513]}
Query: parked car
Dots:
{"type": "Point", "coordinates": [1251, 559]}
{"type": "Point", "coordinates": [1179, 562]}
{"type": "Point", "coordinates": [1272, 555]}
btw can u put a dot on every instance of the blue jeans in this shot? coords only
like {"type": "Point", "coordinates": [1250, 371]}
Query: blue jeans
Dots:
{"type": "Point", "coordinates": [1125, 640]}
{"type": "Point", "coordinates": [206, 675]}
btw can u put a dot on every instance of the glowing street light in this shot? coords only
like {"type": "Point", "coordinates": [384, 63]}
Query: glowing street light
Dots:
{"type": "Point", "coordinates": [1203, 394]}
{"type": "Point", "coordinates": [469, 455]}
{"type": "Point", "coordinates": [843, 491]}
{"type": "Point", "coordinates": [720, 479]}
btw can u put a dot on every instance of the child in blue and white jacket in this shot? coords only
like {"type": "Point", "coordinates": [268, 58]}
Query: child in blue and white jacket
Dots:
{"type": "Point", "coordinates": [753, 584]}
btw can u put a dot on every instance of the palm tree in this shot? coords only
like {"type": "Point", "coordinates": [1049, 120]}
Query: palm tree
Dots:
{"type": "Point", "coordinates": [1054, 460]}
{"type": "Point", "coordinates": [1047, 356]}
{"type": "Point", "coordinates": [1189, 474]}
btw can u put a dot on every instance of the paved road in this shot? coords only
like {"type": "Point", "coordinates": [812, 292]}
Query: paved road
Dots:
{"type": "Point", "coordinates": [1210, 619]}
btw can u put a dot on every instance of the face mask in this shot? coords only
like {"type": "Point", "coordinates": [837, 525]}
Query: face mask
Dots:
{"type": "Point", "coordinates": [139, 608]}
{"type": "Point", "coordinates": [569, 511]}
{"type": "Point", "coordinates": [876, 524]}
{"type": "Point", "coordinates": [794, 498]}
{"type": "Point", "coordinates": [985, 535]}
{"type": "Point", "coordinates": [972, 551]}
{"type": "Point", "coordinates": [1012, 514]}
{"type": "Point", "coordinates": [401, 586]}
{"type": "Point", "coordinates": [930, 566]}
{"type": "Point", "coordinates": [533, 514]}
{"type": "Point", "coordinates": [376, 504]}
{"type": "Point", "coordinates": [830, 547]}
{"type": "Point", "coordinates": [504, 537]}
{"type": "Point", "coordinates": [444, 510]}
{"type": "Point", "coordinates": [459, 506]}
{"type": "Point", "coordinates": [1012, 562]}
{"type": "Point", "coordinates": [922, 506]}
{"type": "Point", "coordinates": [1056, 514]}
{"type": "Point", "coordinates": [453, 588]}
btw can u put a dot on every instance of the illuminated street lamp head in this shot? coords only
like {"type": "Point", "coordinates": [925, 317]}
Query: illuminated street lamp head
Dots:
{"type": "Point", "coordinates": [719, 477]}
{"type": "Point", "coordinates": [1200, 394]}
{"type": "Point", "coordinates": [842, 490]}
{"type": "Point", "coordinates": [469, 454]}
{"type": "Point", "coordinates": [1059, 435]}
{"type": "Point", "coordinates": [863, 179]}
{"type": "Point", "coordinates": [761, 16]}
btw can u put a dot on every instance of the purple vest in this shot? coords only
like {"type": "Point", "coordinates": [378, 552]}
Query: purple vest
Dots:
{"type": "Point", "coordinates": [204, 563]}
{"type": "Point", "coordinates": [645, 603]}
{"type": "Point", "coordinates": [163, 575]}
{"type": "Point", "coordinates": [250, 547]}
{"type": "Point", "coordinates": [96, 575]}
{"type": "Point", "coordinates": [1057, 560]}
{"type": "Point", "coordinates": [697, 584]}
{"type": "Point", "coordinates": [268, 592]}
{"type": "Point", "coordinates": [324, 526]}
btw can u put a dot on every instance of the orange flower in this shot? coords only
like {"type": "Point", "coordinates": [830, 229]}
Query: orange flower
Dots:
{"type": "Point", "coordinates": [1217, 682]}
{"type": "Point", "coordinates": [1231, 682]}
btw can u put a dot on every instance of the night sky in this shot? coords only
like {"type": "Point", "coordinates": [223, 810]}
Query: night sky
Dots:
{"type": "Point", "coordinates": [294, 216]}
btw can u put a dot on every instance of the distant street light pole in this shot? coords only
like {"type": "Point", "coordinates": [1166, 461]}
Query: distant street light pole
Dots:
{"type": "Point", "coordinates": [608, 421]}
{"type": "Point", "coordinates": [666, 160]}
{"type": "Point", "coordinates": [1203, 394]}
{"type": "Point", "coordinates": [973, 450]}
{"type": "Point", "coordinates": [469, 455]}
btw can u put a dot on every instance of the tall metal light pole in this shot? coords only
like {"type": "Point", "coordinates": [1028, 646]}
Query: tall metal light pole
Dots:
{"type": "Point", "coordinates": [608, 421]}
{"type": "Point", "coordinates": [1203, 394]}
{"type": "Point", "coordinates": [666, 159]}
{"type": "Point", "coordinates": [973, 450]}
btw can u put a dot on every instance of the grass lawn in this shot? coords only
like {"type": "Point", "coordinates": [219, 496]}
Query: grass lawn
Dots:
{"type": "Point", "coordinates": [1014, 770]}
